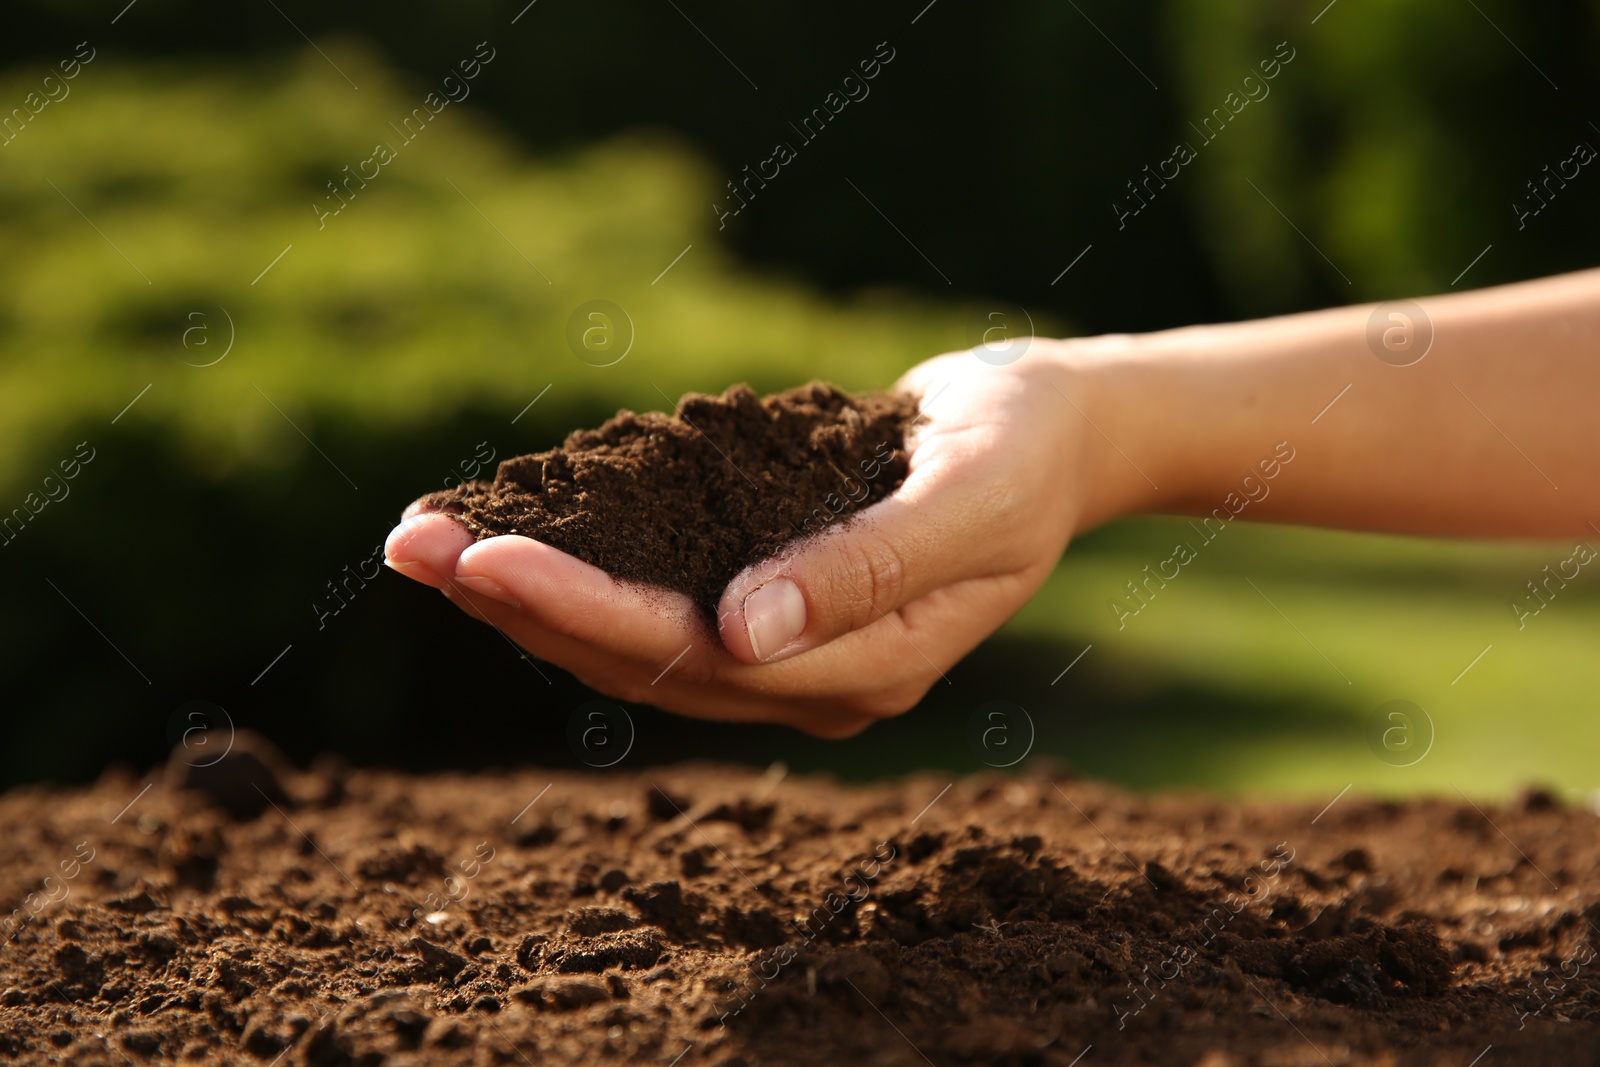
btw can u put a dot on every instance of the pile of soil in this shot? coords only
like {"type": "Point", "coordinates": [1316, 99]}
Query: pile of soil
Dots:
{"type": "Point", "coordinates": [687, 501]}
{"type": "Point", "coordinates": [703, 914]}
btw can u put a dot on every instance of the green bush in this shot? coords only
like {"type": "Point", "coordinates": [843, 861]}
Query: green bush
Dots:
{"type": "Point", "coordinates": [446, 281]}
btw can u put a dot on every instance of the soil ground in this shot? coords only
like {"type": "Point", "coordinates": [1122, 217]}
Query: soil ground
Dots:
{"type": "Point", "coordinates": [700, 914]}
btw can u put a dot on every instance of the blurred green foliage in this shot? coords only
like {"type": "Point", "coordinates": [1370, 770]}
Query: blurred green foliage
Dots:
{"type": "Point", "coordinates": [446, 280]}
{"type": "Point", "coordinates": [392, 338]}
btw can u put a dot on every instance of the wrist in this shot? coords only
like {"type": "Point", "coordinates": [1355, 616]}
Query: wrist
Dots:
{"type": "Point", "coordinates": [1116, 464]}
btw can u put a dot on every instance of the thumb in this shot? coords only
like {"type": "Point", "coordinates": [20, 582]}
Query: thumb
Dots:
{"type": "Point", "coordinates": [854, 573]}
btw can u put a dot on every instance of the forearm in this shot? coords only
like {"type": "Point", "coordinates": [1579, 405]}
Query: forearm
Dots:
{"type": "Point", "coordinates": [1494, 432]}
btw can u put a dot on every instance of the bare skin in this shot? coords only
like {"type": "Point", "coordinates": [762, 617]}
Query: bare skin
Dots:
{"type": "Point", "coordinates": [1494, 432]}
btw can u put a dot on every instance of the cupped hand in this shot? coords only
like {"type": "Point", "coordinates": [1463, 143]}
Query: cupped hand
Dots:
{"type": "Point", "coordinates": [853, 624]}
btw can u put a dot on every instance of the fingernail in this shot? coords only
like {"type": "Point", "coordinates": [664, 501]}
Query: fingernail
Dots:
{"type": "Point", "coordinates": [488, 587]}
{"type": "Point", "coordinates": [774, 616]}
{"type": "Point", "coordinates": [420, 572]}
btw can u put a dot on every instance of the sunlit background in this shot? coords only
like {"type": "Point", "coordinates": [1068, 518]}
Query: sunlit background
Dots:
{"type": "Point", "coordinates": [265, 371]}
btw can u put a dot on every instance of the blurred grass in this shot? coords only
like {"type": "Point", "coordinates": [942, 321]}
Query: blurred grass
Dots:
{"type": "Point", "coordinates": [1365, 619]}
{"type": "Point", "coordinates": [418, 316]}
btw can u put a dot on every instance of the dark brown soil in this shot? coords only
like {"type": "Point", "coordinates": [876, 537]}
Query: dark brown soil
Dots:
{"type": "Point", "coordinates": [687, 501]}
{"type": "Point", "coordinates": [700, 915]}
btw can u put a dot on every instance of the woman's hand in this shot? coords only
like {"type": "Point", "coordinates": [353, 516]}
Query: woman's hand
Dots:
{"type": "Point", "coordinates": [843, 628]}
{"type": "Point", "coordinates": [1488, 432]}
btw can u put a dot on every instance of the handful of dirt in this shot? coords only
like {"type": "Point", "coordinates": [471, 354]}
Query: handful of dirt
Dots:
{"type": "Point", "coordinates": [687, 501]}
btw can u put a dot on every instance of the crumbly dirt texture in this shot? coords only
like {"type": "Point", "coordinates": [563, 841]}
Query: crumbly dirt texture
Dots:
{"type": "Point", "coordinates": [710, 915]}
{"type": "Point", "coordinates": [689, 500]}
